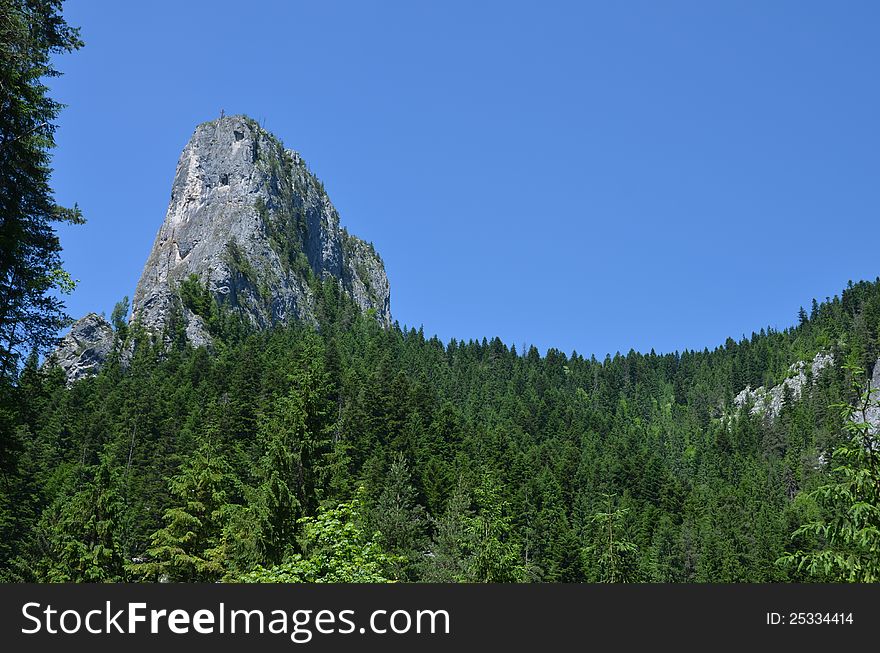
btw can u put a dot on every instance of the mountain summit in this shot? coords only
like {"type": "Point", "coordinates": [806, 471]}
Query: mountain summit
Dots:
{"type": "Point", "coordinates": [253, 225]}
{"type": "Point", "coordinates": [250, 227]}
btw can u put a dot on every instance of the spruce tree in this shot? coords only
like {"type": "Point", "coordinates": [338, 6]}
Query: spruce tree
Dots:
{"type": "Point", "coordinates": [283, 434]}
{"type": "Point", "coordinates": [448, 558]}
{"type": "Point", "coordinates": [82, 531]}
{"type": "Point", "coordinates": [494, 555]}
{"type": "Point", "coordinates": [401, 520]}
{"type": "Point", "coordinates": [32, 32]}
{"type": "Point", "coordinates": [188, 547]}
{"type": "Point", "coordinates": [612, 554]}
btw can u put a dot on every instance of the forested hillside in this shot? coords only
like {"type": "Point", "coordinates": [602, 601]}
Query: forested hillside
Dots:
{"type": "Point", "coordinates": [348, 451]}
{"type": "Point", "coordinates": [261, 419]}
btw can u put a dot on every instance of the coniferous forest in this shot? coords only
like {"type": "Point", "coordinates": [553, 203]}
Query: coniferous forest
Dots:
{"type": "Point", "coordinates": [350, 452]}
{"type": "Point", "coordinates": [342, 450]}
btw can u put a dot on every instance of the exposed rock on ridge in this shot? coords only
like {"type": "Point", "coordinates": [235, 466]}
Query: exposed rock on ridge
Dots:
{"type": "Point", "coordinates": [872, 413]}
{"type": "Point", "coordinates": [253, 224]}
{"type": "Point", "coordinates": [769, 402]}
{"type": "Point", "coordinates": [85, 348]}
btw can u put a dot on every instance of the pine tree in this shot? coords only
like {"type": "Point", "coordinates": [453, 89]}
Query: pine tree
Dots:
{"type": "Point", "coordinates": [494, 555]}
{"type": "Point", "coordinates": [803, 318]}
{"type": "Point", "coordinates": [119, 318]}
{"type": "Point", "coordinates": [310, 381]}
{"type": "Point", "coordinates": [31, 274]}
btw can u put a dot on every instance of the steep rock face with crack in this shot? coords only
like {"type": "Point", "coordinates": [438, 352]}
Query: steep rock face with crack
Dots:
{"type": "Point", "coordinates": [251, 223]}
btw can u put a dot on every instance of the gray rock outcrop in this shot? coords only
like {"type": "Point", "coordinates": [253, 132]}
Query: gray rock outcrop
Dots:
{"type": "Point", "coordinates": [252, 224]}
{"type": "Point", "coordinates": [85, 348]}
{"type": "Point", "coordinates": [769, 402]}
{"type": "Point", "coordinates": [871, 414]}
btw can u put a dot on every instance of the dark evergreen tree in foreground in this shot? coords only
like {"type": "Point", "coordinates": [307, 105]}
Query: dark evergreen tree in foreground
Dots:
{"type": "Point", "coordinates": [31, 273]}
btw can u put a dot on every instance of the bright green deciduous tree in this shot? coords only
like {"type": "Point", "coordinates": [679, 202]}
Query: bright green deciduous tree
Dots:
{"type": "Point", "coordinates": [337, 550]}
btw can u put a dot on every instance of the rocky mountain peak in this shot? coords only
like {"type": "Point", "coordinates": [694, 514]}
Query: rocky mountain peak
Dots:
{"type": "Point", "coordinates": [249, 222]}
{"type": "Point", "coordinates": [248, 226]}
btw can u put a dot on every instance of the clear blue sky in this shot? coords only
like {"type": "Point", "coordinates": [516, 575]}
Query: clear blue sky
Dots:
{"type": "Point", "coordinates": [596, 176]}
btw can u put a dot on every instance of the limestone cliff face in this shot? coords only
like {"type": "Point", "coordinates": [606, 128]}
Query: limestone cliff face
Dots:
{"type": "Point", "coordinates": [253, 224]}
